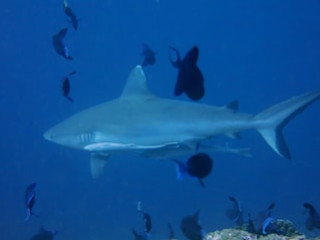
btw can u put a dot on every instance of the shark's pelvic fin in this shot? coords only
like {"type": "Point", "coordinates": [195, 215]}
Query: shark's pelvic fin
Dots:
{"type": "Point", "coordinates": [97, 164]}
{"type": "Point", "coordinates": [136, 84]}
{"type": "Point", "coordinates": [271, 121]}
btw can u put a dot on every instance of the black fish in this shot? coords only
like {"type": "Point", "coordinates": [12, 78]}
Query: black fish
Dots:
{"type": "Point", "coordinates": [198, 166]}
{"type": "Point", "coordinates": [59, 47]}
{"type": "Point", "coordinates": [68, 11]}
{"type": "Point", "coordinates": [29, 199]}
{"type": "Point", "coordinates": [313, 220]}
{"type": "Point", "coordinates": [65, 88]}
{"type": "Point", "coordinates": [190, 79]}
{"type": "Point", "coordinates": [138, 236]}
{"type": "Point", "coordinates": [147, 222]}
{"type": "Point", "coordinates": [44, 234]}
{"type": "Point", "coordinates": [191, 228]}
{"type": "Point", "coordinates": [149, 55]}
{"type": "Point", "coordinates": [236, 212]}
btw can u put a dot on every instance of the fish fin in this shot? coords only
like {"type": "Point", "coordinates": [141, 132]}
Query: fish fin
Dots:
{"type": "Point", "coordinates": [181, 169]}
{"type": "Point", "coordinates": [245, 152]}
{"type": "Point", "coordinates": [271, 206]}
{"type": "Point", "coordinates": [69, 98]}
{"type": "Point", "coordinates": [196, 215]}
{"type": "Point", "coordinates": [233, 199]}
{"type": "Point", "coordinates": [193, 145]}
{"type": "Point", "coordinates": [201, 183]}
{"type": "Point", "coordinates": [266, 223]}
{"type": "Point", "coordinates": [28, 215]}
{"type": "Point", "coordinates": [134, 232]}
{"type": "Point", "coordinates": [271, 121]}
{"type": "Point", "coordinates": [136, 84]}
{"type": "Point", "coordinates": [310, 207]}
{"type": "Point", "coordinates": [177, 63]}
{"type": "Point", "coordinates": [233, 105]}
{"type": "Point", "coordinates": [234, 135]}
{"type": "Point", "coordinates": [98, 162]}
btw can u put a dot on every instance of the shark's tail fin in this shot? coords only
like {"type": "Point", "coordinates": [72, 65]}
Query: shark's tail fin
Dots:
{"type": "Point", "coordinates": [271, 121]}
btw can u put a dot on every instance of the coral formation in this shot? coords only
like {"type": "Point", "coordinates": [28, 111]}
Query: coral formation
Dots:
{"type": "Point", "coordinates": [279, 229]}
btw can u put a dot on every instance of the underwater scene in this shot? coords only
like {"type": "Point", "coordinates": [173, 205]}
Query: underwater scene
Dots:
{"type": "Point", "coordinates": [160, 119]}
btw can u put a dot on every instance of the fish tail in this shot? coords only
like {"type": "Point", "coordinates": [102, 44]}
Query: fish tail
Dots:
{"type": "Point", "coordinates": [271, 121]}
{"type": "Point", "coordinates": [28, 215]}
{"type": "Point", "coordinates": [70, 99]}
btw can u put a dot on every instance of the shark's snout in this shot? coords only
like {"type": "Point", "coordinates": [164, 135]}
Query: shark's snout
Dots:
{"type": "Point", "coordinates": [48, 135]}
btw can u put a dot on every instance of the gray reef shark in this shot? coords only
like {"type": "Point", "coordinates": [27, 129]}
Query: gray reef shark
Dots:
{"type": "Point", "coordinates": [142, 122]}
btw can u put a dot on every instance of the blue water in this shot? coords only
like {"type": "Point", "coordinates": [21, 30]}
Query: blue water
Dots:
{"type": "Point", "coordinates": [259, 52]}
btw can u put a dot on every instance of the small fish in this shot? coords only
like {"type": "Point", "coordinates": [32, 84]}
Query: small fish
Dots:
{"type": "Point", "coordinates": [149, 55]}
{"type": "Point", "coordinates": [59, 46]}
{"type": "Point", "coordinates": [65, 87]}
{"type": "Point", "coordinates": [191, 228]}
{"type": "Point", "coordinates": [29, 200]}
{"type": "Point", "coordinates": [198, 166]}
{"type": "Point", "coordinates": [68, 11]}
{"type": "Point", "coordinates": [44, 234]}
{"type": "Point", "coordinates": [147, 222]}
{"type": "Point", "coordinates": [313, 220]}
{"type": "Point", "coordinates": [146, 218]}
{"type": "Point", "coordinates": [190, 79]}
{"type": "Point", "coordinates": [236, 212]}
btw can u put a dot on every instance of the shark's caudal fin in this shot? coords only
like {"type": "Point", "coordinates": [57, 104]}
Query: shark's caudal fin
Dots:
{"type": "Point", "coordinates": [271, 121]}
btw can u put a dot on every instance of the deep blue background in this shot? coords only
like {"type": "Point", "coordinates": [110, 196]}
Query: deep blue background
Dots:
{"type": "Point", "coordinates": [259, 52]}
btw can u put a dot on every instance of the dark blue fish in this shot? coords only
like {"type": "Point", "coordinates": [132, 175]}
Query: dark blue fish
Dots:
{"type": "Point", "coordinates": [65, 87]}
{"type": "Point", "coordinates": [68, 11]}
{"type": "Point", "coordinates": [58, 45]}
{"type": "Point", "coordinates": [198, 166]}
{"type": "Point", "coordinates": [236, 212]}
{"type": "Point", "coordinates": [149, 55]}
{"type": "Point", "coordinates": [313, 220]}
{"type": "Point", "coordinates": [190, 79]}
{"type": "Point", "coordinates": [191, 228]}
{"type": "Point", "coordinates": [29, 199]}
{"type": "Point", "coordinates": [44, 234]}
{"type": "Point", "coordinates": [147, 222]}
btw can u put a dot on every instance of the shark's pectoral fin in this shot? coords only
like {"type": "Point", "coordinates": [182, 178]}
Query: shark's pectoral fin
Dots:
{"type": "Point", "coordinates": [98, 162]}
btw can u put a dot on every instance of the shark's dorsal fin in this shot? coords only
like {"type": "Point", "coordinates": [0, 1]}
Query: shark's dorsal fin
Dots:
{"type": "Point", "coordinates": [136, 84]}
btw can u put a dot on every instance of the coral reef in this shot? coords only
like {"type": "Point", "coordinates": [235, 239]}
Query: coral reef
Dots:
{"type": "Point", "coordinates": [237, 234]}
{"type": "Point", "coordinates": [279, 229]}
